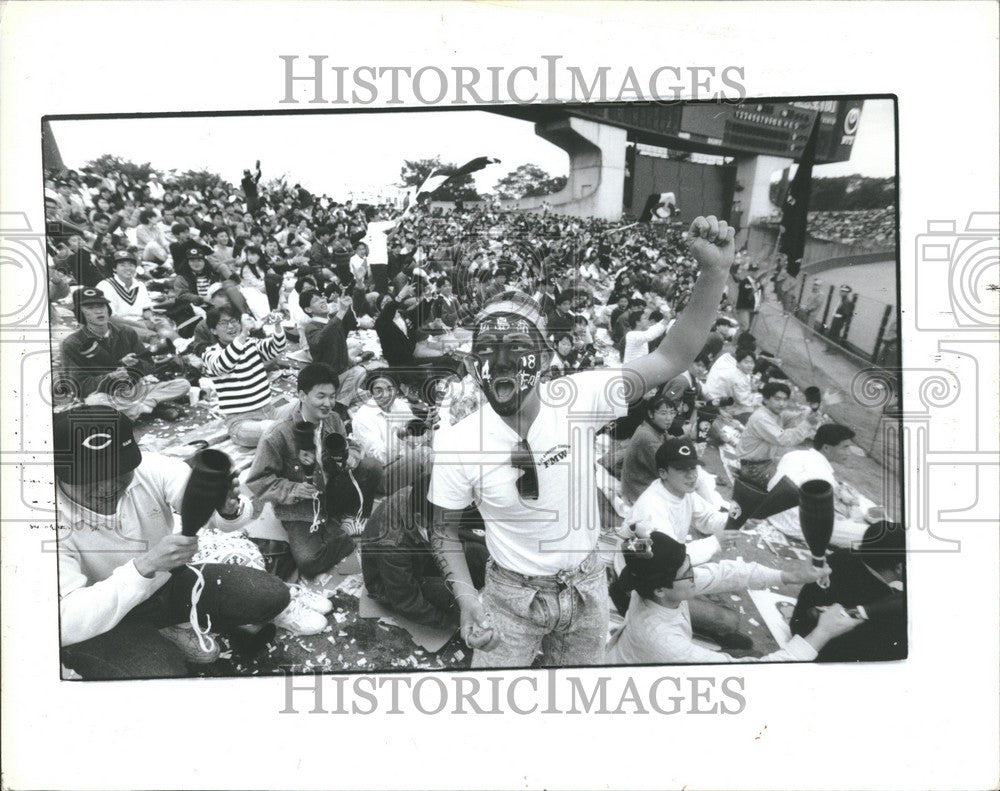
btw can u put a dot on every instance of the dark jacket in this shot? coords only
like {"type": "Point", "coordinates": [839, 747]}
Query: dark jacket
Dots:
{"type": "Point", "coordinates": [276, 468]}
{"type": "Point", "coordinates": [328, 341]}
{"type": "Point", "coordinates": [852, 584]}
{"type": "Point", "coordinates": [88, 359]}
{"type": "Point", "coordinates": [397, 346]}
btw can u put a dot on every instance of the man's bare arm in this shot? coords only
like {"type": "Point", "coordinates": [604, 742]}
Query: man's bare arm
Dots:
{"type": "Point", "coordinates": [712, 245]}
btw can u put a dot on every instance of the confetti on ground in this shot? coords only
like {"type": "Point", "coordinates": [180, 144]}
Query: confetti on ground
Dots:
{"type": "Point", "coordinates": [734, 597]}
{"type": "Point", "coordinates": [753, 621]}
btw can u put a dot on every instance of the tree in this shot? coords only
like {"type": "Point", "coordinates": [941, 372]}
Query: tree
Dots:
{"type": "Point", "coordinates": [107, 165]}
{"type": "Point", "coordinates": [415, 171]}
{"type": "Point", "coordinates": [203, 181]}
{"type": "Point", "coordinates": [528, 181]}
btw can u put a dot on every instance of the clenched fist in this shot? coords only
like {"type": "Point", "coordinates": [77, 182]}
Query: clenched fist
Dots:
{"type": "Point", "coordinates": [712, 243]}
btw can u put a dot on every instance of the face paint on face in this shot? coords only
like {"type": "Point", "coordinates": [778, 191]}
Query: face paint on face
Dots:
{"type": "Point", "coordinates": [506, 361]}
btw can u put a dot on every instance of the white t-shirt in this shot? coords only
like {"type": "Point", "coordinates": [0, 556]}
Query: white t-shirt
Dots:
{"type": "Point", "coordinates": [677, 516]}
{"type": "Point", "coordinates": [472, 464]}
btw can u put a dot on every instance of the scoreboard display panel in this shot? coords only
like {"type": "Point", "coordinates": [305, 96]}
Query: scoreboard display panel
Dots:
{"type": "Point", "coordinates": [777, 128]}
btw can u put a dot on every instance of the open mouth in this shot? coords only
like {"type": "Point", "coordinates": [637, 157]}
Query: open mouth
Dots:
{"type": "Point", "coordinates": [504, 389]}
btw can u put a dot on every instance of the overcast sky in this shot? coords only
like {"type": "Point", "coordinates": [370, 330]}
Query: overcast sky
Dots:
{"type": "Point", "coordinates": [331, 153]}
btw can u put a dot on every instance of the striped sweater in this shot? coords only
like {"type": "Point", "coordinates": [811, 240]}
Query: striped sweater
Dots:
{"type": "Point", "coordinates": [237, 370]}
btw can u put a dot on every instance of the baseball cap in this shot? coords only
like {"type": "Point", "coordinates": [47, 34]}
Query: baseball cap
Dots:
{"type": "Point", "coordinates": [677, 452]}
{"type": "Point", "coordinates": [124, 255]}
{"type": "Point", "coordinates": [653, 562]}
{"type": "Point", "coordinates": [92, 444]}
{"type": "Point", "coordinates": [89, 296]}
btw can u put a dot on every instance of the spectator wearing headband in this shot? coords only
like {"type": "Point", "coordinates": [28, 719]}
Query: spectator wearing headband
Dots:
{"type": "Point", "coordinates": [663, 581]}
{"type": "Point", "coordinates": [545, 589]}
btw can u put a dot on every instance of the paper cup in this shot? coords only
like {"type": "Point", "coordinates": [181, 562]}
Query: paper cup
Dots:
{"type": "Point", "coordinates": [193, 395]}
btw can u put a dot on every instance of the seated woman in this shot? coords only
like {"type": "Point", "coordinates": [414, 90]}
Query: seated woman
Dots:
{"type": "Point", "coordinates": [730, 383]}
{"type": "Point", "coordinates": [657, 627]}
{"type": "Point", "coordinates": [564, 358]}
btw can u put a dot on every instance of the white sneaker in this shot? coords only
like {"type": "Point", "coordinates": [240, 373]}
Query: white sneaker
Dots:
{"type": "Point", "coordinates": [299, 619]}
{"type": "Point", "coordinates": [314, 600]}
{"type": "Point", "coordinates": [184, 637]}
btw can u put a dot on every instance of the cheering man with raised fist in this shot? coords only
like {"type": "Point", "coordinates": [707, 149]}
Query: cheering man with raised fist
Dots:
{"type": "Point", "coordinates": [526, 458]}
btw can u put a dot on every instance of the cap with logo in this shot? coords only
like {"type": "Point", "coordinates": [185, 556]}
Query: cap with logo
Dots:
{"type": "Point", "coordinates": [677, 453]}
{"type": "Point", "coordinates": [124, 256]}
{"type": "Point", "coordinates": [93, 444]}
{"type": "Point", "coordinates": [89, 296]}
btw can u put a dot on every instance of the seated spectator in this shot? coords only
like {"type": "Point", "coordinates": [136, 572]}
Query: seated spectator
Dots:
{"type": "Point", "coordinates": [832, 443]}
{"type": "Point", "coordinates": [658, 629]}
{"type": "Point", "coordinates": [685, 391]}
{"type": "Point", "coordinates": [150, 238]}
{"type": "Point", "coordinates": [380, 421]}
{"type": "Point", "coordinates": [673, 504]}
{"type": "Point", "coordinates": [730, 384]}
{"type": "Point", "coordinates": [446, 306]}
{"type": "Point", "coordinates": [869, 581]}
{"type": "Point", "coordinates": [194, 279]}
{"type": "Point", "coordinates": [771, 428]}
{"type": "Point", "coordinates": [398, 345]}
{"type": "Point", "coordinates": [130, 303]}
{"type": "Point", "coordinates": [639, 468]}
{"type": "Point", "coordinates": [295, 480]}
{"type": "Point", "coordinates": [125, 594]}
{"type": "Point", "coordinates": [642, 331]}
{"type": "Point", "coordinates": [564, 357]}
{"type": "Point", "coordinates": [399, 568]}
{"type": "Point", "coordinates": [326, 333]}
{"type": "Point", "coordinates": [236, 365]}
{"type": "Point", "coordinates": [109, 365]}
{"type": "Point", "coordinates": [561, 319]}
{"type": "Point", "coordinates": [76, 261]}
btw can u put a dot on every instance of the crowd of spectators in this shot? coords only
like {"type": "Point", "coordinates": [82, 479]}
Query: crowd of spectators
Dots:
{"type": "Point", "coordinates": [167, 290]}
{"type": "Point", "coordinates": [875, 228]}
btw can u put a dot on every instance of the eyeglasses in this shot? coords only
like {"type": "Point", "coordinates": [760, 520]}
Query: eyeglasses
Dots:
{"type": "Point", "coordinates": [687, 575]}
{"type": "Point", "coordinates": [522, 458]}
{"type": "Point", "coordinates": [229, 324]}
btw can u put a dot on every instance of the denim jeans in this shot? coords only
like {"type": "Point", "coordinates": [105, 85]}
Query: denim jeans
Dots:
{"type": "Point", "coordinates": [246, 428]}
{"type": "Point", "coordinates": [566, 616]}
{"type": "Point", "coordinates": [233, 595]}
{"type": "Point", "coordinates": [317, 552]}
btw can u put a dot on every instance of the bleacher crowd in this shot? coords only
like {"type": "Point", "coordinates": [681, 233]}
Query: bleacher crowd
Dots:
{"type": "Point", "coordinates": [162, 297]}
